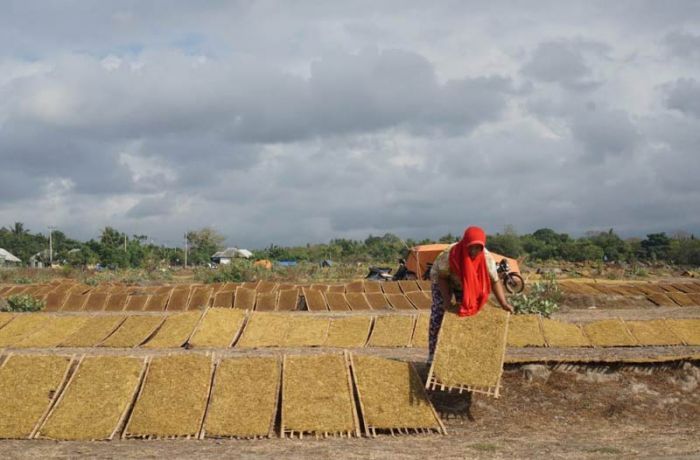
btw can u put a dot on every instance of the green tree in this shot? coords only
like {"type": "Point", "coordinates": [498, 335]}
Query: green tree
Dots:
{"type": "Point", "coordinates": [614, 247]}
{"type": "Point", "coordinates": [508, 243]}
{"type": "Point", "coordinates": [656, 246]}
{"type": "Point", "coordinates": [202, 244]}
{"type": "Point", "coordinates": [111, 250]}
{"type": "Point", "coordinates": [19, 241]}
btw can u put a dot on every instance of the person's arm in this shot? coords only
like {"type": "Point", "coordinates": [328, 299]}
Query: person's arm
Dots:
{"type": "Point", "coordinates": [445, 291]}
{"type": "Point", "coordinates": [497, 287]}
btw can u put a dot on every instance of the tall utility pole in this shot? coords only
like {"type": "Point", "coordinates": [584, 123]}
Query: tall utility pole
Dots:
{"type": "Point", "coordinates": [51, 229]}
{"type": "Point", "coordinates": [185, 250]}
{"type": "Point", "coordinates": [125, 242]}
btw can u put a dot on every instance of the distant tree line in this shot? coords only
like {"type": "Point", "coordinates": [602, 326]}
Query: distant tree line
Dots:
{"type": "Point", "coordinates": [116, 249]}
{"type": "Point", "coordinates": [543, 244]}
{"type": "Point", "coordinates": [113, 249]}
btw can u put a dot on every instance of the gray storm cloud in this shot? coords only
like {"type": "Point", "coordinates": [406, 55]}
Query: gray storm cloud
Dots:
{"type": "Point", "coordinates": [289, 125]}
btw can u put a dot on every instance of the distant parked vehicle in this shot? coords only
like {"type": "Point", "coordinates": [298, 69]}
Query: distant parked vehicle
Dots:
{"type": "Point", "coordinates": [379, 274]}
{"type": "Point", "coordinates": [513, 282]}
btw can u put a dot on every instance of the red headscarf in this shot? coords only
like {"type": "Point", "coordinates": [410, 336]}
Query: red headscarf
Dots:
{"type": "Point", "coordinates": [474, 273]}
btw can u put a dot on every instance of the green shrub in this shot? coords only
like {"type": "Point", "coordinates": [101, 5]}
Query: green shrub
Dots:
{"type": "Point", "coordinates": [23, 302]}
{"type": "Point", "coordinates": [23, 280]}
{"type": "Point", "coordinates": [542, 298]}
{"type": "Point", "coordinates": [235, 272]}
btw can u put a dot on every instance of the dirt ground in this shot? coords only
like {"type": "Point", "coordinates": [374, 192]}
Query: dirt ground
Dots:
{"type": "Point", "coordinates": [649, 411]}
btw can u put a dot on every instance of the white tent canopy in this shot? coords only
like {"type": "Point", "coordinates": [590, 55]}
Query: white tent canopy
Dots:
{"type": "Point", "coordinates": [7, 257]}
{"type": "Point", "coordinates": [231, 253]}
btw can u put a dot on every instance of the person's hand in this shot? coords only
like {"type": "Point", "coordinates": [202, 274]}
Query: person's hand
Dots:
{"type": "Point", "coordinates": [509, 308]}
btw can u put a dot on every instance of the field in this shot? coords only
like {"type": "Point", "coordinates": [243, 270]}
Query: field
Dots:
{"type": "Point", "coordinates": [157, 373]}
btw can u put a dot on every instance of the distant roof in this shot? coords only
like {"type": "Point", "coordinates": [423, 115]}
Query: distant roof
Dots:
{"type": "Point", "coordinates": [233, 252]}
{"type": "Point", "coordinates": [4, 254]}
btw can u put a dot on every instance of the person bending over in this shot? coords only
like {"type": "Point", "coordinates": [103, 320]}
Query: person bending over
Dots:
{"type": "Point", "coordinates": [467, 271]}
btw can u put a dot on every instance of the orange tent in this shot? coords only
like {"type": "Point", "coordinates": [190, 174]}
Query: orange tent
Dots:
{"type": "Point", "coordinates": [421, 257]}
{"type": "Point", "coordinates": [264, 263]}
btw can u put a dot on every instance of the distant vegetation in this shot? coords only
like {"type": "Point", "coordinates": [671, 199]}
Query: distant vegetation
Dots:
{"type": "Point", "coordinates": [115, 249]}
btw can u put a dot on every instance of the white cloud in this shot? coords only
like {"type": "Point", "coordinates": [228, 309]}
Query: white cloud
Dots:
{"type": "Point", "coordinates": [285, 124]}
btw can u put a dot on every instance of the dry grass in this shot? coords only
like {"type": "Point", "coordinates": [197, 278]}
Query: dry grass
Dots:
{"type": "Point", "coordinates": [377, 301]}
{"type": "Point", "coordinates": [355, 286]}
{"type": "Point", "coordinates": [470, 350]}
{"type": "Point", "coordinates": [245, 298]}
{"type": "Point", "coordinates": [96, 301]}
{"type": "Point", "coordinates": [223, 299]}
{"type": "Point", "coordinates": [662, 300]}
{"type": "Point", "coordinates": [94, 331]}
{"type": "Point", "coordinates": [653, 332]}
{"type": "Point", "coordinates": [315, 301]}
{"type": "Point", "coordinates": [408, 286]}
{"type": "Point", "coordinates": [336, 301]}
{"type": "Point", "coordinates": [609, 333]}
{"type": "Point", "coordinates": [266, 286]}
{"type": "Point", "coordinates": [357, 301]}
{"type": "Point", "coordinates": [157, 302]}
{"type": "Point", "coordinates": [288, 300]}
{"type": "Point", "coordinates": [305, 331]}
{"type": "Point", "coordinates": [686, 329]}
{"type": "Point", "coordinates": [392, 395]}
{"type": "Point", "coordinates": [391, 287]}
{"type": "Point", "coordinates": [175, 330]}
{"type": "Point", "coordinates": [244, 398]}
{"type": "Point", "coordinates": [420, 334]}
{"type": "Point", "coordinates": [317, 396]}
{"type": "Point", "coordinates": [96, 399]}
{"type": "Point", "coordinates": [23, 325]}
{"type": "Point", "coordinates": [218, 328]}
{"type": "Point", "coordinates": [266, 301]}
{"type": "Point", "coordinates": [173, 398]}
{"type": "Point", "coordinates": [74, 302]}
{"type": "Point", "coordinates": [178, 299]}
{"type": "Point", "coordinates": [264, 330]}
{"type": "Point", "coordinates": [136, 302]}
{"type": "Point", "coordinates": [681, 299]}
{"type": "Point", "coordinates": [420, 300]}
{"type": "Point", "coordinates": [392, 331]}
{"type": "Point", "coordinates": [399, 302]}
{"type": "Point", "coordinates": [199, 298]}
{"type": "Point", "coordinates": [55, 331]}
{"type": "Point", "coordinates": [372, 286]}
{"type": "Point", "coordinates": [560, 334]}
{"type": "Point", "coordinates": [133, 332]}
{"type": "Point", "coordinates": [348, 332]}
{"type": "Point", "coordinates": [5, 318]}
{"type": "Point", "coordinates": [55, 301]}
{"type": "Point", "coordinates": [524, 331]}
{"type": "Point", "coordinates": [425, 285]}
{"type": "Point", "coordinates": [116, 301]}
{"type": "Point", "coordinates": [284, 330]}
{"type": "Point", "coordinates": [28, 385]}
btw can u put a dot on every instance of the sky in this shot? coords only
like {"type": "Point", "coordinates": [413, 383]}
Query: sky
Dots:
{"type": "Point", "coordinates": [294, 122]}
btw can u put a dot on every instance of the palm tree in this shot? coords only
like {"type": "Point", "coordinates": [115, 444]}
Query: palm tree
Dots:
{"type": "Point", "coordinates": [19, 229]}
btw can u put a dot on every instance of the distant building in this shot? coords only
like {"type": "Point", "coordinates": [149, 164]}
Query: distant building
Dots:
{"type": "Point", "coordinates": [226, 256]}
{"type": "Point", "coordinates": [7, 259]}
